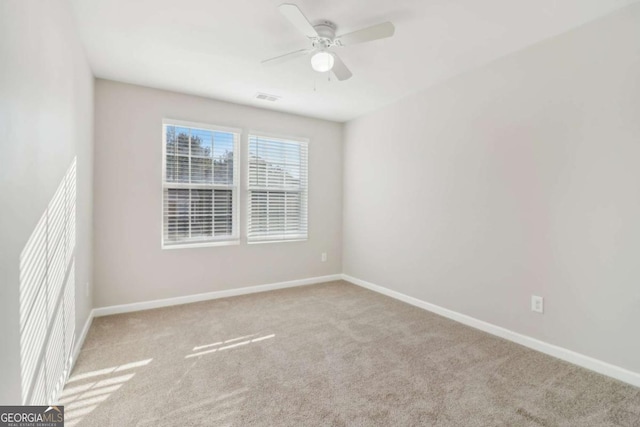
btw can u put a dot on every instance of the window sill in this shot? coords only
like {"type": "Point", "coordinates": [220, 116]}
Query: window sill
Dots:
{"type": "Point", "coordinates": [201, 244]}
{"type": "Point", "coordinates": [259, 242]}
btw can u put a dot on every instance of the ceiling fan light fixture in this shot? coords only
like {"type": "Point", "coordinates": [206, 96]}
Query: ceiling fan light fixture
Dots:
{"type": "Point", "coordinates": [322, 36]}
{"type": "Point", "coordinates": [322, 61]}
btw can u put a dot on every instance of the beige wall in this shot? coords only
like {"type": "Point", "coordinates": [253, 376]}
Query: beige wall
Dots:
{"type": "Point", "coordinates": [518, 178]}
{"type": "Point", "coordinates": [46, 121]}
{"type": "Point", "coordinates": [130, 266]}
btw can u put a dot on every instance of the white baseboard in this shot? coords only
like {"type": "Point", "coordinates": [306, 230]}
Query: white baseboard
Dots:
{"type": "Point", "coordinates": [77, 346]}
{"type": "Point", "coordinates": [147, 305]}
{"type": "Point", "coordinates": [570, 356]}
{"type": "Point", "coordinates": [83, 335]}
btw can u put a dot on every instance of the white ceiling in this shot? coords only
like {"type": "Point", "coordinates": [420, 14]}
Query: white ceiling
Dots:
{"type": "Point", "coordinates": [213, 48]}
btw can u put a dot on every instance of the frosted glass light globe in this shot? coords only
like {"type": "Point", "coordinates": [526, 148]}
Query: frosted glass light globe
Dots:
{"type": "Point", "coordinates": [322, 61]}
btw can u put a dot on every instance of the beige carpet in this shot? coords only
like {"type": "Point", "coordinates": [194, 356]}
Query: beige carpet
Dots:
{"type": "Point", "coordinates": [329, 354]}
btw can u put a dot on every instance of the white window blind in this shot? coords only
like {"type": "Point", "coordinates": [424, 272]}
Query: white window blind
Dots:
{"type": "Point", "coordinates": [277, 189]}
{"type": "Point", "coordinates": [200, 184]}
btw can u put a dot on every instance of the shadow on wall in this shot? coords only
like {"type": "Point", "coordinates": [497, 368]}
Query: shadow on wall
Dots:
{"type": "Point", "coordinates": [47, 297]}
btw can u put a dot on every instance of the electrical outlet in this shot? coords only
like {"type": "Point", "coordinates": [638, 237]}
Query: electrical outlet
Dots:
{"type": "Point", "coordinates": [323, 258]}
{"type": "Point", "coordinates": [537, 304]}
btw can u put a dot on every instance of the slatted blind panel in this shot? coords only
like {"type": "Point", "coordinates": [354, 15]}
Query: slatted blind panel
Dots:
{"type": "Point", "coordinates": [277, 189]}
{"type": "Point", "coordinates": [200, 185]}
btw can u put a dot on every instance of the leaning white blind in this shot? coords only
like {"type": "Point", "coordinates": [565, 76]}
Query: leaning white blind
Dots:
{"type": "Point", "coordinates": [277, 189]}
{"type": "Point", "coordinates": [200, 184]}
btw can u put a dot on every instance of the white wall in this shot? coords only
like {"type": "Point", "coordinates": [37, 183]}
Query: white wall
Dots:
{"type": "Point", "coordinates": [518, 178]}
{"type": "Point", "coordinates": [46, 121]}
{"type": "Point", "coordinates": [130, 266]}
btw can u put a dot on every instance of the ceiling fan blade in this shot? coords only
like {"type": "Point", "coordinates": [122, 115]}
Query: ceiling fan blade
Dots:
{"type": "Point", "coordinates": [340, 70]}
{"type": "Point", "coordinates": [286, 57]}
{"type": "Point", "coordinates": [297, 18]}
{"type": "Point", "coordinates": [374, 32]}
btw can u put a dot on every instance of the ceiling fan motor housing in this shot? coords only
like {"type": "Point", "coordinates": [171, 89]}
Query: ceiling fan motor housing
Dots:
{"type": "Point", "coordinates": [326, 33]}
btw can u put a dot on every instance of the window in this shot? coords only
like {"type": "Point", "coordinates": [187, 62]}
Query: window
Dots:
{"type": "Point", "coordinates": [277, 189]}
{"type": "Point", "coordinates": [200, 184]}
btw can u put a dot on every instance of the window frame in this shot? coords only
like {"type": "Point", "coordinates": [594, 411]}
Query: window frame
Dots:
{"type": "Point", "coordinates": [284, 138]}
{"type": "Point", "coordinates": [235, 188]}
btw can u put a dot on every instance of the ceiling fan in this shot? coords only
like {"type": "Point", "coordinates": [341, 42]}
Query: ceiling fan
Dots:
{"type": "Point", "coordinates": [323, 38]}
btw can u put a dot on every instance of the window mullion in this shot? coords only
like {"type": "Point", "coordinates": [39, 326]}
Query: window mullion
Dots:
{"type": "Point", "coordinates": [190, 190]}
{"type": "Point", "coordinates": [213, 191]}
{"type": "Point", "coordinates": [268, 215]}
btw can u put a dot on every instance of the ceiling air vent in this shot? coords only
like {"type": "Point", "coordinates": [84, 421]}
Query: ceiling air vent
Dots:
{"type": "Point", "coordinates": [267, 97]}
